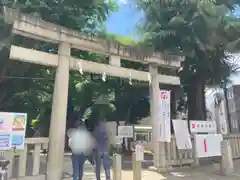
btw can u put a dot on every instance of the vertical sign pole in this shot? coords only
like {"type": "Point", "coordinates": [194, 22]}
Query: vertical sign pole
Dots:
{"type": "Point", "coordinates": [165, 121]}
{"type": "Point", "coordinates": [196, 160]}
{"type": "Point", "coordinates": [217, 108]}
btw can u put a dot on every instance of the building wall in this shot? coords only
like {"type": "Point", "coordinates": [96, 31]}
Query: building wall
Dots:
{"type": "Point", "coordinates": [236, 92]}
{"type": "Point", "coordinates": [234, 107]}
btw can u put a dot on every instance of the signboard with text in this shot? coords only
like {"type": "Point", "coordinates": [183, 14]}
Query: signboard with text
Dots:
{"type": "Point", "coordinates": [164, 116]}
{"type": "Point", "coordinates": [12, 130]}
{"type": "Point", "coordinates": [208, 145]}
{"type": "Point", "coordinates": [182, 134]}
{"type": "Point", "coordinates": [203, 127]}
{"type": "Point", "coordinates": [125, 131]}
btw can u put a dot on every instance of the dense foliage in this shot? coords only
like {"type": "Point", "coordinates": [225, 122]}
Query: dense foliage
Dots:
{"type": "Point", "coordinates": [29, 88]}
{"type": "Point", "coordinates": [202, 31]}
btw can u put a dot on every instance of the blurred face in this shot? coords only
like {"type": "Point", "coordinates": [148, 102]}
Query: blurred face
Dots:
{"type": "Point", "coordinates": [81, 141]}
{"type": "Point", "coordinates": [79, 124]}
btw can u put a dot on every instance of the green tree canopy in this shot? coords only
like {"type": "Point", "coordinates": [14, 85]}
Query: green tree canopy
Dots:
{"type": "Point", "coordinates": [29, 88]}
{"type": "Point", "coordinates": [26, 87]}
{"type": "Point", "coordinates": [201, 31]}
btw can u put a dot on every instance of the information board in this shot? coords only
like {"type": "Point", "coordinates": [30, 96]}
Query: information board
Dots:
{"type": "Point", "coordinates": [208, 145]}
{"type": "Point", "coordinates": [182, 134]}
{"type": "Point", "coordinates": [12, 130]}
{"type": "Point", "coordinates": [164, 116]}
{"type": "Point", "coordinates": [203, 127]}
{"type": "Point", "coordinates": [125, 131]}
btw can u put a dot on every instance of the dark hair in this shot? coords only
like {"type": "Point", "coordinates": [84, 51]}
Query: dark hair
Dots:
{"type": "Point", "coordinates": [79, 123]}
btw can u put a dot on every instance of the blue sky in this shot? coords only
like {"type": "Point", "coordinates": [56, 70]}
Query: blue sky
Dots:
{"type": "Point", "coordinates": [124, 21]}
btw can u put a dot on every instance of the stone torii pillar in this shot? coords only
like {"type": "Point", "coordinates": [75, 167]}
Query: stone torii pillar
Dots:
{"type": "Point", "coordinates": [158, 147]}
{"type": "Point", "coordinates": [58, 115]}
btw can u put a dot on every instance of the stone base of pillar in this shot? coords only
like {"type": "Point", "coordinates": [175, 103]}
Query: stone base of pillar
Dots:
{"type": "Point", "coordinates": [169, 168]}
{"type": "Point", "coordinates": [160, 170]}
{"type": "Point", "coordinates": [153, 168]}
{"type": "Point", "coordinates": [194, 165]}
{"type": "Point", "coordinates": [226, 165]}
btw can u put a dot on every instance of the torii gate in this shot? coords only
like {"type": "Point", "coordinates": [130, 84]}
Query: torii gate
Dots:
{"type": "Point", "coordinates": [27, 26]}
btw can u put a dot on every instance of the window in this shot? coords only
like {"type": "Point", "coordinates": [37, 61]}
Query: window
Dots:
{"type": "Point", "coordinates": [142, 136]}
{"type": "Point", "coordinates": [234, 124]}
{"type": "Point", "coordinates": [150, 136]}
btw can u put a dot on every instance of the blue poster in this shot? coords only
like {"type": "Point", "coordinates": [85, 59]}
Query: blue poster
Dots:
{"type": "Point", "coordinates": [17, 140]}
{"type": "Point", "coordinates": [12, 130]}
{"type": "Point", "coordinates": [5, 141]}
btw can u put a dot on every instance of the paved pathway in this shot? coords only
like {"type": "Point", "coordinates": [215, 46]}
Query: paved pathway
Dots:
{"type": "Point", "coordinates": [126, 172]}
{"type": "Point", "coordinates": [206, 172]}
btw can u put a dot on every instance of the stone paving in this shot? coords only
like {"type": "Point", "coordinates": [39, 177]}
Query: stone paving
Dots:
{"type": "Point", "coordinates": [205, 172]}
{"type": "Point", "coordinates": [127, 173]}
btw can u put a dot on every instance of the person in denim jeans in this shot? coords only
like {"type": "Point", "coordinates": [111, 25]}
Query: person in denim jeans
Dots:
{"type": "Point", "coordinates": [78, 161]}
{"type": "Point", "coordinates": [78, 158]}
{"type": "Point", "coordinates": [100, 134]}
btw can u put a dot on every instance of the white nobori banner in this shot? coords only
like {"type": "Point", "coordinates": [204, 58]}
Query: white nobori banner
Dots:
{"type": "Point", "coordinates": [164, 116]}
{"type": "Point", "coordinates": [183, 138]}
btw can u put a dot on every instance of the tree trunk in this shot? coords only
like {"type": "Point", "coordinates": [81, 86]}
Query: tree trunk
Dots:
{"type": "Point", "coordinates": [225, 90]}
{"type": "Point", "coordinates": [196, 100]}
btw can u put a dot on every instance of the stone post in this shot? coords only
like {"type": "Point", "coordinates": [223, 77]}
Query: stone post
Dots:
{"type": "Point", "coordinates": [58, 115]}
{"type": "Point", "coordinates": [226, 159]}
{"type": "Point", "coordinates": [158, 147]}
{"type": "Point", "coordinates": [137, 168]}
{"type": "Point", "coordinates": [117, 167]}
